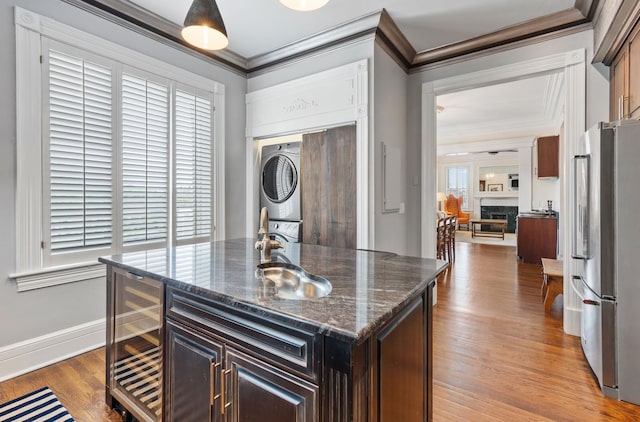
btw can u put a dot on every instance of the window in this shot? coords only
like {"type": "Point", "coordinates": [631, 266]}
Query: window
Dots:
{"type": "Point", "coordinates": [120, 159]}
{"type": "Point", "coordinates": [83, 216]}
{"type": "Point", "coordinates": [457, 183]}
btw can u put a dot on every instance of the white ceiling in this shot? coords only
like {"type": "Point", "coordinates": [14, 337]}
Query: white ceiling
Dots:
{"type": "Point", "coordinates": [256, 27]}
{"type": "Point", "coordinates": [516, 109]}
{"type": "Point", "coordinates": [525, 108]}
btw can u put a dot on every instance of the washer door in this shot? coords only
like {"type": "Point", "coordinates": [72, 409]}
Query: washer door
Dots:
{"type": "Point", "coordinates": [279, 178]}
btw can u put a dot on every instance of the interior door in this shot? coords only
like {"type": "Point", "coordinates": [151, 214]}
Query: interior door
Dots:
{"type": "Point", "coordinates": [329, 204]}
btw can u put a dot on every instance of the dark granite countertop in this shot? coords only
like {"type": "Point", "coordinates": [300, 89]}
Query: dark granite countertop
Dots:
{"type": "Point", "coordinates": [369, 288]}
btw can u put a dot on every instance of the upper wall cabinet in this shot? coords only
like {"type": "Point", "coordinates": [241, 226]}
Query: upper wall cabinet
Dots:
{"type": "Point", "coordinates": [548, 159]}
{"type": "Point", "coordinates": [625, 79]}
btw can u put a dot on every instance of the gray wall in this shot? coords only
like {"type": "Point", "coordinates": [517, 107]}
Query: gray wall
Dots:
{"type": "Point", "coordinates": [31, 314]}
{"type": "Point", "coordinates": [390, 127]}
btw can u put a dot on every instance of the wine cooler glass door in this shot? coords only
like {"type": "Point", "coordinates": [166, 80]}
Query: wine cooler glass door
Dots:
{"type": "Point", "coordinates": [135, 350]}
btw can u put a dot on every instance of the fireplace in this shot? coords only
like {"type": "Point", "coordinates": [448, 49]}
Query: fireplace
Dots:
{"type": "Point", "coordinates": [499, 212]}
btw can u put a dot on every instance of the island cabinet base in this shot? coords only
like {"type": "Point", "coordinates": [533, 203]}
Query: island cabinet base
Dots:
{"type": "Point", "coordinates": [388, 377]}
{"type": "Point", "coordinates": [228, 363]}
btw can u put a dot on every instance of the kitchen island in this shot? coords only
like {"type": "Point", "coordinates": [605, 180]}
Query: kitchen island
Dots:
{"type": "Point", "coordinates": [195, 334]}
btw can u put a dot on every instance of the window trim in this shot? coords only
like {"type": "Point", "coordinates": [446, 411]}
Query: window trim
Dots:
{"type": "Point", "coordinates": [30, 28]}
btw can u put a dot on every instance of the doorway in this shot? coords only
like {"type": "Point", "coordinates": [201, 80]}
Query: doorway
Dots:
{"type": "Point", "coordinates": [573, 66]}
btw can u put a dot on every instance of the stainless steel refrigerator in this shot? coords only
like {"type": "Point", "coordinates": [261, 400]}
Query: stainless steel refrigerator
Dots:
{"type": "Point", "coordinates": [606, 250]}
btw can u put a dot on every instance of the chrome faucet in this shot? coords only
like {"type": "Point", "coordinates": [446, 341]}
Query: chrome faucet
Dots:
{"type": "Point", "coordinates": [264, 243]}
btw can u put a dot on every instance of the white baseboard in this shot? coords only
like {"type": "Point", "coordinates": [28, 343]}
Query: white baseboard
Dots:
{"type": "Point", "coordinates": [26, 356]}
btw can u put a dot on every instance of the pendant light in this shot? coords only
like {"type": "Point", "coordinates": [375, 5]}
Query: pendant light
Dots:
{"type": "Point", "coordinates": [304, 5]}
{"type": "Point", "coordinates": [203, 26]}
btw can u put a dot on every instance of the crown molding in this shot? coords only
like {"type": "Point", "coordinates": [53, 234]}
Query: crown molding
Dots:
{"type": "Point", "coordinates": [588, 8]}
{"type": "Point", "coordinates": [387, 34]}
{"type": "Point", "coordinates": [348, 31]}
{"type": "Point", "coordinates": [503, 47]}
{"type": "Point", "coordinates": [391, 38]}
{"type": "Point", "coordinates": [612, 27]}
{"type": "Point", "coordinates": [532, 28]}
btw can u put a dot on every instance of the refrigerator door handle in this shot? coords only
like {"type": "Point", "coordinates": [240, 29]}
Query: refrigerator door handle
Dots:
{"type": "Point", "coordinates": [578, 278]}
{"type": "Point", "coordinates": [580, 248]}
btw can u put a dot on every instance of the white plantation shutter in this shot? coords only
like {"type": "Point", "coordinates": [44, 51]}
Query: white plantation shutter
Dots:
{"type": "Point", "coordinates": [145, 160]}
{"type": "Point", "coordinates": [127, 157]}
{"type": "Point", "coordinates": [193, 154]}
{"type": "Point", "coordinates": [80, 137]}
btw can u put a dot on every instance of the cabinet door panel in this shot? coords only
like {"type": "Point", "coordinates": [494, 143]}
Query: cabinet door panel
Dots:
{"type": "Point", "coordinates": [618, 83]}
{"type": "Point", "coordinates": [634, 75]}
{"type": "Point", "coordinates": [260, 392]}
{"type": "Point", "coordinates": [537, 238]}
{"type": "Point", "coordinates": [402, 361]}
{"type": "Point", "coordinates": [548, 163]}
{"type": "Point", "coordinates": [193, 376]}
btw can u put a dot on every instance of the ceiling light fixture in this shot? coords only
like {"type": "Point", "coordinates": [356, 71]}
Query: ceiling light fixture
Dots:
{"type": "Point", "coordinates": [203, 26]}
{"type": "Point", "coordinates": [304, 5]}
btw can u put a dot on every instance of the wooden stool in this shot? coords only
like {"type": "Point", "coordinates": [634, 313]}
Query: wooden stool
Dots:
{"type": "Point", "coordinates": [552, 284]}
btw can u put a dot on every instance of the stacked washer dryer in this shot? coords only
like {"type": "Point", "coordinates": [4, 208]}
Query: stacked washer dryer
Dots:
{"type": "Point", "coordinates": [280, 190]}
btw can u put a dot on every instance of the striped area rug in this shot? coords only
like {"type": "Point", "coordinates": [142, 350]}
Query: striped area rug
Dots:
{"type": "Point", "coordinates": [39, 406]}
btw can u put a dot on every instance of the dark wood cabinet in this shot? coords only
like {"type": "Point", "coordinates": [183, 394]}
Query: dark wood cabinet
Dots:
{"type": "Point", "coordinates": [548, 157]}
{"type": "Point", "coordinates": [203, 386]}
{"type": "Point", "coordinates": [194, 370]}
{"type": "Point", "coordinates": [402, 363]}
{"type": "Point", "coordinates": [258, 391]}
{"type": "Point", "coordinates": [328, 162]}
{"type": "Point", "coordinates": [537, 238]}
{"type": "Point", "coordinates": [222, 363]}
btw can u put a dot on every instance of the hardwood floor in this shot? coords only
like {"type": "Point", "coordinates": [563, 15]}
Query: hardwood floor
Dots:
{"type": "Point", "coordinates": [77, 382]}
{"type": "Point", "coordinates": [497, 355]}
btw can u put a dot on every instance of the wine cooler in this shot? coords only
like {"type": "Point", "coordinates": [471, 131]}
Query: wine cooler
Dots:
{"type": "Point", "coordinates": [134, 345]}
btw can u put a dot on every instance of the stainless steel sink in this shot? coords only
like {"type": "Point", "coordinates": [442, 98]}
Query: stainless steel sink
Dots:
{"type": "Point", "coordinates": [288, 281]}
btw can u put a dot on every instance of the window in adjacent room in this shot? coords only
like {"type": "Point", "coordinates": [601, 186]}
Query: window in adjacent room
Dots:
{"type": "Point", "coordinates": [458, 183]}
